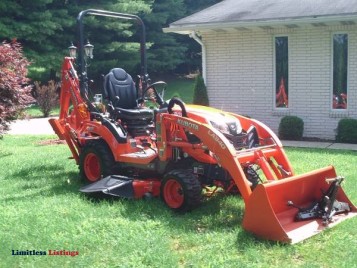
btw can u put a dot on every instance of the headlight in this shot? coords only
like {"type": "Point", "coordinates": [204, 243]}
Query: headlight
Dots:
{"type": "Point", "coordinates": [221, 126]}
{"type": "Point", "coordinates": [225, 125]}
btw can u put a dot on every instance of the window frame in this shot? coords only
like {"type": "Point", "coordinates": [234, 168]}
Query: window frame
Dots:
{"type": "Point", "coordinates": [274, 73]}
{"type": "Point", "coordinates": [332, 69]}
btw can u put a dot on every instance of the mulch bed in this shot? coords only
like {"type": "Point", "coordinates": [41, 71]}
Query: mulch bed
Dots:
{"type": "Point", "coordinates": [52, 142]}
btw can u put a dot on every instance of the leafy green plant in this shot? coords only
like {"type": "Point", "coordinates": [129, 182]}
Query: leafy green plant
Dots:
{"type": "Point", "coordinates": [200, 92]}
{"type": "Point", "coordinates": [291, 128]}
{"type": "Point", "coordinates": [347, 130]}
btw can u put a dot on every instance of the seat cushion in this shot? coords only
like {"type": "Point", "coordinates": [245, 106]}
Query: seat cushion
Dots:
{"type": "Point", "coordinates": [135, 114]}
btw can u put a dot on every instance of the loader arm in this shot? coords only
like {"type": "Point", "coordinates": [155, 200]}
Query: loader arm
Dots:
{"type": "Point", "coordinates": [222, 150]}
{"type": "Point", "coordinates": [268, 213]}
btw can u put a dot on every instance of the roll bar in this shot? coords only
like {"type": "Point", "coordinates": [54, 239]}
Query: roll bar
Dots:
{"type": "Point", "coordinates": [103, 13]}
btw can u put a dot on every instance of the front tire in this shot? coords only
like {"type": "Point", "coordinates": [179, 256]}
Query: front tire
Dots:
{"type": "Point", "coordinates": [181, 190]}
{"type": "Point", "coordinates": [95, 161]}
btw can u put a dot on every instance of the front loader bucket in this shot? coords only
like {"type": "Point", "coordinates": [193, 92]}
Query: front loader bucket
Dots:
{"type": "Point", "coordinates": [269, 216]}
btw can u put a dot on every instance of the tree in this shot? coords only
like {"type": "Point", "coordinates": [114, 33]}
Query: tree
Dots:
{"type": "Point", "coordinates": [47, 27]}
{"type": "Point", "coordinates": [14, 89]}
{"type": "Point", "coordinates": [165, 52]}
{"type": "Point", "coordinates": [116, 41]}
{"type": "Point", "coordinates": [200, 96]}
{"type": "Point", "coordinates": [192, 56]}
{"type": "Point", "coordinates": [39, 25]}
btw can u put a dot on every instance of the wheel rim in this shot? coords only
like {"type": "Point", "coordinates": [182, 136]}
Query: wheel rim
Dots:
{"type": "Point", "coordinates": [173, 194]}
{"type": "Point", "coordinates": [92, 167]}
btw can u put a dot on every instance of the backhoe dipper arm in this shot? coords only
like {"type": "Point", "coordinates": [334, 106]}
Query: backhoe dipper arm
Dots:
{"type": "Point", "coordinates": [70, 118]}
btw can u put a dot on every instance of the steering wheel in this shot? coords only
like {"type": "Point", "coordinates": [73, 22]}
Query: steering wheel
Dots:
{"type": "Point", "coordinates": [159, 99]}
{"type": "Point", "coordinates": [178, 102]}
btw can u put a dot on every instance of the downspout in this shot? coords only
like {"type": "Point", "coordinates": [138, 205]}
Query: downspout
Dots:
{"type": "Point", "coordinates": [203, 47]}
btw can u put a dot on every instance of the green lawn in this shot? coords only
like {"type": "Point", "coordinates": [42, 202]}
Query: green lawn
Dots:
{"type": "Point", "coordinates": [41, 209]}
{"type": "Point", "coordinates": [34, 111]}
{"type": "Point", "coordinates": [180, 87]}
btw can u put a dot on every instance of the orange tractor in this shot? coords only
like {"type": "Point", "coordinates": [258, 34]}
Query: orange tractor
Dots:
{"type": "Point", "coordinates": [182, 152]}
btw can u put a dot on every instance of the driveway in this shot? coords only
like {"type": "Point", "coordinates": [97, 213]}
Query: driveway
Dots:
{"type": "Point", "coordinates": [33, 126]}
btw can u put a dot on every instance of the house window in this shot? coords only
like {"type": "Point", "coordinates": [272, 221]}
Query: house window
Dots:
{"type": "Point", "coordinates": [340, 71]}
{"type": "Point", "coordinates": [281, 72]}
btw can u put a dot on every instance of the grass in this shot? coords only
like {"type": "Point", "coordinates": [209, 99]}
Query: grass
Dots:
{"type": "Point", "coordinates": [180, 87]}
{"type": "Point", "coordinates": [34, 111]}
{"type": "Point", "coordinates": [41, 209]}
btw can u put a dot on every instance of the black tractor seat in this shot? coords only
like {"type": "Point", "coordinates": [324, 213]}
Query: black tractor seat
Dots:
{"type": "Point", "coordinates": [119, 89]}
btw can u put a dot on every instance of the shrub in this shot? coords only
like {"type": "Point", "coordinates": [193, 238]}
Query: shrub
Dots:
{"type": "Point", "coordinates": [200, 96]}
{"type": "Point", "coordinates": [291, 128]}
{"type": "Point", "coordinates": [347, 130]}
{"type": "Point", "coordinates": [14, 88]}
{"type": "Point", "coordinates": [47, 96]}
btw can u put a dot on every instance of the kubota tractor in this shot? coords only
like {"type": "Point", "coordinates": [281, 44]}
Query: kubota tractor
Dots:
{"type": "Point", "coordinates": [180, 152]}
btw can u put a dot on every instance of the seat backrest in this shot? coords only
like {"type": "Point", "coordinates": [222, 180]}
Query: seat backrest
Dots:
{"type": "Point", "coordinates": [119, 88]}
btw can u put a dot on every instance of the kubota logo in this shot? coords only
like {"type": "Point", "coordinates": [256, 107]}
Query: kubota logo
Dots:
{"type": "Point", "coordinates": [187, 124]}
{"type": "Point", "coordinates": [217, 139]}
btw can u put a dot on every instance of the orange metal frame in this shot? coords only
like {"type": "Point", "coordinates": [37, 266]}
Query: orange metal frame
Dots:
{"type": "Point", "coordinates": [268, 156]}
{"type": "Point", "coordinates": [267, 203]}
{"type": "Point", "coordinates": [75, 126]}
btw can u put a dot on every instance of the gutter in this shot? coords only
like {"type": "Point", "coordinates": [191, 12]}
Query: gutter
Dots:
{"type": "Point", "coordinates": [188, 27]}
{"type": "Point", "coordinates": [193, 35]}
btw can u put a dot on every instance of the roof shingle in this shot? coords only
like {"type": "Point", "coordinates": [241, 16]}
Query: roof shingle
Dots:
{"type": "Point", "coordinates": [229, 11]}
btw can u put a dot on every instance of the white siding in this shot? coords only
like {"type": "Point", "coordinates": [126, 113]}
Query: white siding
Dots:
{"type": "Point", "coordinates": [240, 76]}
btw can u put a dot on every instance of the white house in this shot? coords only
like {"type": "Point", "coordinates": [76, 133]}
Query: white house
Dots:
{"type": "Point", "coordinates": [271, 58]}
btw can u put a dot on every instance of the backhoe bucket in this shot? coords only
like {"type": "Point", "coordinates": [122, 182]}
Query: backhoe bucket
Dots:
{"type": "Point", "coordinates": [293, 209]}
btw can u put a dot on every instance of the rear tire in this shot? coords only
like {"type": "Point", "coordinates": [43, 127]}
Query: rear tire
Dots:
{"type": "Point", "coordinates": [95, 161]}
{"type": "Point", "coordinates": [181, 190]}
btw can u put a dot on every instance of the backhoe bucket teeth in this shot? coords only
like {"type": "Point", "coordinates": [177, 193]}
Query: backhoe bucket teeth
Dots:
{"type": "Point", "coordinates": [272, 209]}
